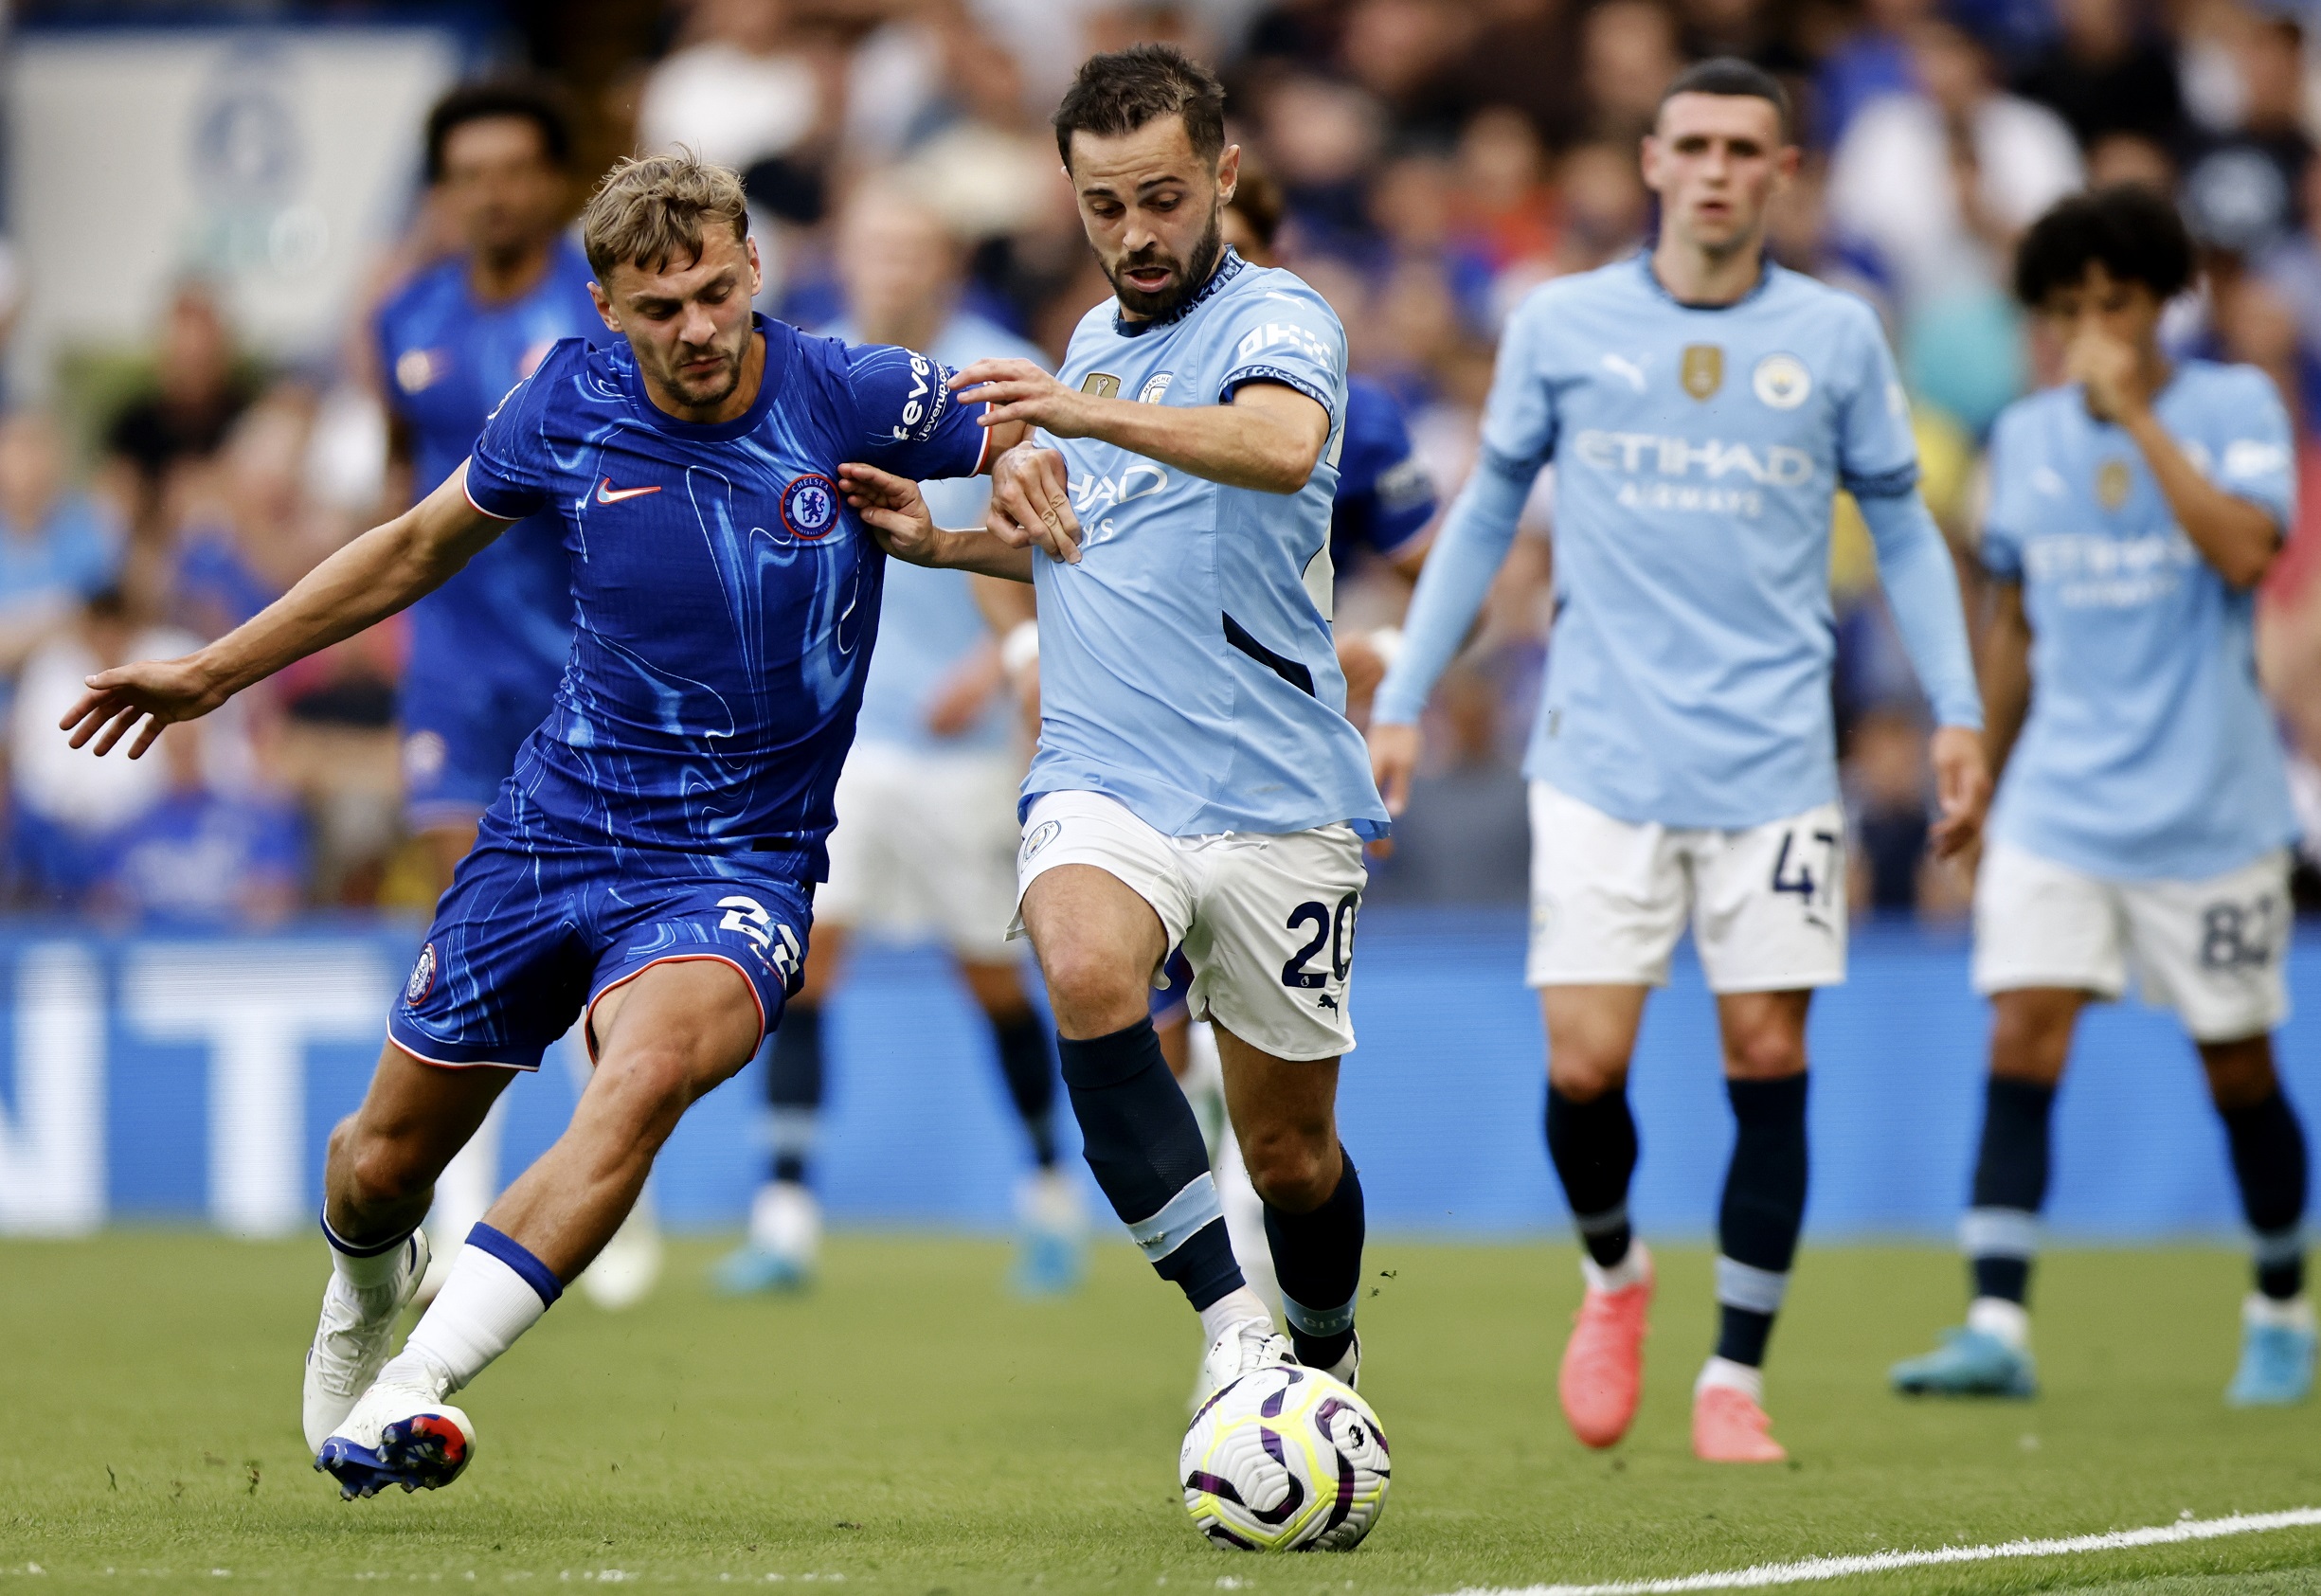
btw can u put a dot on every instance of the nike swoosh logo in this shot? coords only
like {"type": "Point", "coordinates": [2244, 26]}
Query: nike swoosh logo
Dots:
{"type": "Point", "coordinates": [607, 494]}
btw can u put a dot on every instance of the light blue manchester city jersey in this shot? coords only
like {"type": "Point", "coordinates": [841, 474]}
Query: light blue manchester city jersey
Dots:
{"type": "Point", "coordinates": [1697, 453]}
{"type": "Point", "coordinates": [928, 622]}
{"type": "Point", "coordinates": [2149, 752]}
{"type": "Point", "coordinates": [1186, 666]}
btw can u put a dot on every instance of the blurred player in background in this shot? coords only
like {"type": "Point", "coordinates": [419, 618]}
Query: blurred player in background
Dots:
{"type": "Point", "coordinates": [1197, 783]}
{"type": "Point", "coordinates": [2145, 821]}
{"type": "Point", "coordinates": [488, 647]}
{"type": "Point", "coordinates": [926, 806]}
{"type": "Point", "coordinates": [649, 870]}
{"type": "Point", "coordinates": [1702, 407]}
{"type": "Point", "coordinates": [1384, 505]}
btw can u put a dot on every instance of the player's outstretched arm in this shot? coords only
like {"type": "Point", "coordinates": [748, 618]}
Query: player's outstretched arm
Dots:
{"type": "Point", "coordinates": [896, 512]}
{"type": "Point", "coordinates": [1270, 437]}
{"type": "Point", "coordinates": [1466, 555]}
{"type": "Point", "coordinates": [369, 580]}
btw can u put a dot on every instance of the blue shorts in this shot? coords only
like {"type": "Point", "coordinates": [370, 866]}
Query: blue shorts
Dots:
{"type": "Point", "coordinates": [459, 741]}
{"type": "Point", "coordinates": [1172, 1004]}
{"type": "Point", "coordinates": [537, 927]}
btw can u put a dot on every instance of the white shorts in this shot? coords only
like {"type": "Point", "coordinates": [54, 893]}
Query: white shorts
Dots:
{"type": "Point", "coordinates": [926, 843]}
{"type": "Point", "coordinates": [1610, 898]}
{"type": "Point", "coordinates": [2211, 950]}
{"type": "Point", "coordinates": [1266, 920]}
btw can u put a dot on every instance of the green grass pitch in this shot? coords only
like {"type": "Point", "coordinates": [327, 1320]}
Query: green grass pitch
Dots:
{"type": "Point", "coordinates": [911, 1428]}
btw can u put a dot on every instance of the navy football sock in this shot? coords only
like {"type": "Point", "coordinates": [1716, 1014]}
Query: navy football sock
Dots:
{"type": "Point", "coordinates": [1144, 1148]}
{"type": "Point", "coordinates": [794, 1089]}
{"type": "Point", "coordinates": [1029, 1063]}
{"type": "Point", "coordinates": [1763, 1209]}
{"type": "Point", "coordinates": [2001, 1231]}
{"type": "Point", "coordinates": [2268, 1158]}
{"type": "Point", "coordinates": [1592, 1145]}
{"type": "Point", "coordinates": [1318, 1259]}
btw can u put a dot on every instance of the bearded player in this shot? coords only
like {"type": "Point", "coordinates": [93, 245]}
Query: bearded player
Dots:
{"type": "Point", "coordinates": [1702, 407]}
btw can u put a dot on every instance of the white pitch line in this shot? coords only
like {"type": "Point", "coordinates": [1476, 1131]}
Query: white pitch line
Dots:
{"type": "Point", "coordinates": [1813, 1569]}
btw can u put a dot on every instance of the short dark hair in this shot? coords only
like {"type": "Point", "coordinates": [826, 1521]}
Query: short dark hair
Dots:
{"type": "Point", "coordinates": [1258, 200]}
{"type": "Point", "coordinates": [1729, 75]}
{"type": "Point", "coordinates": [1120, 91]}
{"type": "Point", "coordinates": [2134, 234]}
{"type": "Point", "coordinates": [541, 104]}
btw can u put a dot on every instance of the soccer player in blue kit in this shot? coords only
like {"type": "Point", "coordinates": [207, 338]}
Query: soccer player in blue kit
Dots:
{"type": "Point", "coordinates": [2144, 820]}
{"type": "Point", "coordinates": [489, 646]}
{"type": "Point", "coordinates": [1197, 784]}
{"type": "Point", "coordinates": [649, 869]}
{"type": "Point", "coordinates": [1703, 406]}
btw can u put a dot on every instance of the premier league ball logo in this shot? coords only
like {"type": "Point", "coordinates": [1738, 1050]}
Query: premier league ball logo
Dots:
{"type": "Point", "coordinates": [810, 505]}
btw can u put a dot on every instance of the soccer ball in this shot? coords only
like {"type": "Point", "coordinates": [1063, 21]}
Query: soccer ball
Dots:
{"type": "Point", "coordinates": [1285, 1460]}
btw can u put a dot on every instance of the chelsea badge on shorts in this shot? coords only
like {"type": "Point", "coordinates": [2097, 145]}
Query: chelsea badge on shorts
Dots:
{"type": "Point", "coordinates": [809, 505]}
{"type": "Point", "coordinates": [415, 990]}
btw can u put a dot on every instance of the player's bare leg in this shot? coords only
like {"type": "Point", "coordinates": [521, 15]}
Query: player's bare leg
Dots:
{"type": "Point", "coordinates": [1283, 1115]}
{"type": "Point", "coordinates": [1591, 1139]}
{"type": "Point", "coordinates": [2031, 1028]}
{"type": "Point", "coordinates": [1764, 1037]}
{"type": "Point", "coordinates": [664, 1038]}
{"type": "Point", "coordinates": [1099, 943]}
{"type": "Point", "coordinates": [378, 1181]}
{"type": "Point", "coordinates": [2269, 1162]}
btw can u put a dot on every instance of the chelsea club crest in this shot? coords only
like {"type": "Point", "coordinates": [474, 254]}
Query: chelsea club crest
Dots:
{"type": "Point", "coordinates": [415, 990]}
{"type": "Point", "coordinates": [809, 505]}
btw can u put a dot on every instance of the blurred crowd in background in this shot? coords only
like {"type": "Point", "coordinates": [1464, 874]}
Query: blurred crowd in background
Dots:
{"type": "Point", "coordinates": [1438, 158]}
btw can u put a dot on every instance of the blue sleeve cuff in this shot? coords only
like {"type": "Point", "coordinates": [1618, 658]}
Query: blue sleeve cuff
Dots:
{"type": "Point", "coordinates": [499, 498]}
{"type": "Point", "coordinates": [1235, 381]}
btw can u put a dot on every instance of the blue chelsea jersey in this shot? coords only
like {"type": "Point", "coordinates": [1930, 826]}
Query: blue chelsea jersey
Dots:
{"type": "Point", "coordinates": [1697, 450]}
{"type": "Point", "coordinates": [1385, 493]}
{"type": "Point", "coordinates": [447, 360]}
{"type": "Point", "coordinates": [1186, 666]}
{"type": "Point", "coordinates": [725, 598]}
{"type": "Point", "coordinates": [2149, 751]}
{"type": "Point", "coordinates": [930, 625]}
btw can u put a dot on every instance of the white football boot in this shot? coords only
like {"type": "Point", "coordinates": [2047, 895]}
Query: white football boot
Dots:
{"type": "Point", "coordinates": [1347, 1370]}
{"type": "Point", "coordinates": [350, 1343]}
{"type": "Point", "coordinates": [626, 1272]}
{"type": "Point", "coordinates": [401, 1433]}
{"type": "Point", "coordinates": [1246, 1346]}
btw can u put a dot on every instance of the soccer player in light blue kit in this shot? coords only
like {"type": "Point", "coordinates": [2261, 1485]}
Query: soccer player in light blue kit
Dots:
{"type": "Point", "coordinates": [925, 840]}
{"type": "Point", "coordinates": [2144, 820]}
{"type": "Point", "coordinates": [1197, 783]}
{"type": "Point", "coordinates": [649, 869]}
{"type": "Point", "coordinates": [1703, 406]}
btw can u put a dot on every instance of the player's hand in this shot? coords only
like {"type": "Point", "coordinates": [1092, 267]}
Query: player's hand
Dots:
{"type": "Point", "coordinates": [1962, 790]}
{"type": "Point", "coordinates": [1019, 390]}
{"type": "Point", "coordinates": [894, 510]}
{"type": "Point", "coordinates": [2108, 368]}
{"type": "Point", "coordinates": [155, 692]}
{"type": "Point", "coordinates": [1364, 668]}
{"type": "Point", "coordinates": [1031, 501]}
{"type": "Point", "coordinates": [1394, 756]}
{"type": "Point", "coordinates": [960, 698]}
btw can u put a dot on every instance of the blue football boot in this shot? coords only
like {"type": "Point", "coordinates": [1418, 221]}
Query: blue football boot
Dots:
{"type": "Point", "coordinates": [1051, 1229]}
{"type": "Point", "coordinates": [2277, 1358]}
{"type": "Point", "coordinates": [1968, 1363]}
{"type": "Point", "coordinates": [785, 1243]}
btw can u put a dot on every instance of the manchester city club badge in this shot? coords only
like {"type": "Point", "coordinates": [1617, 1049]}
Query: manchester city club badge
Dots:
{"type": "Point", "coordinates": [2112, 480]}
{"type": "Point", "coordinates": [1702, 372]}
{"type": "Point", "coordinates": [809, 505]}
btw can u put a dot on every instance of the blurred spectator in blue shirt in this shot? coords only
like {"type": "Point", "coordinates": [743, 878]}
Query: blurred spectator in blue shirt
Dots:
{"type": "Point", "coordinates": [56, 547]}
{"type": "Point", "coordinates": [202, 860]}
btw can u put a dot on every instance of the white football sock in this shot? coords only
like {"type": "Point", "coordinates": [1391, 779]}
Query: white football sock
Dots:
{"type": "Point", "coordinates": [1231, 1308]}
{"type": "Point", "coordinates": [367, 1271]}
{"type": "Point", "coordinates": [487, 1302]}
{"type": "Point", "coordinates": [2273, 1314]}
{"type": "Point", "coordinates": [1996, 1316]}
{"type": "Point", "coordinates": [1732, 1376]}
{"type": "Point", "coordinates": [1634, 1268]}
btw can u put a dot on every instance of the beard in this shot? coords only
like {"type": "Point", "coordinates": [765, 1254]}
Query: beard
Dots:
{"type": "Point", "coordinates": [705, 392]}
{"type": "Point", "coordinates": [1187, 278]}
